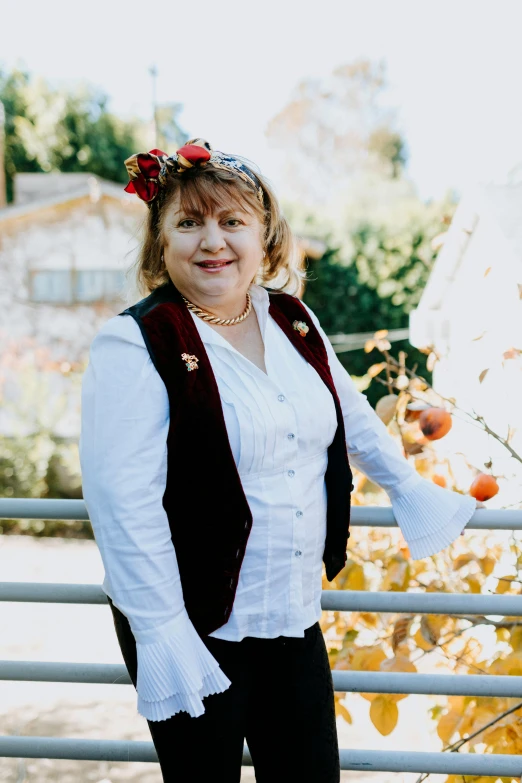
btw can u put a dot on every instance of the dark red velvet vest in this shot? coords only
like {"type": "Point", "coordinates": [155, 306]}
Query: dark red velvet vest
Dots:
{"type": "Point", "coordinates": [209, 516]}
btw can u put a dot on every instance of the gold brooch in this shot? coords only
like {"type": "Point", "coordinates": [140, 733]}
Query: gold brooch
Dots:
{"type": "Point", "coordinates": [190, 361]}
{"type": "Point", "coordinates": [301, 327]}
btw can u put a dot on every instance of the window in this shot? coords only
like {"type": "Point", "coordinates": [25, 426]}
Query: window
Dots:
{"type": "Point", "coordinates": [70, 286]}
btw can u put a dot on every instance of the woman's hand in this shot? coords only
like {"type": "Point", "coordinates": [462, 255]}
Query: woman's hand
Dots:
{"type": "Point", "coordinates": [479, 505]}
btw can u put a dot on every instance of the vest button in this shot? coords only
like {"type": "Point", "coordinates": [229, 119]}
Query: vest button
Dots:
{"type": "Point", "coordinates": [237, 553]}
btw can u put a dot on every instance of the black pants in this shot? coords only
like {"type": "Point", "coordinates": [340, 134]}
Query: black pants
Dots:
{"type": "Point", "coordinates": [281, 701]}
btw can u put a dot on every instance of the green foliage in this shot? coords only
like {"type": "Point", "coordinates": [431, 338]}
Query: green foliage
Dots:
{"type": "Point", "coordinates": [395, 264]}
{"type": "Point", "coordinates": [40, 466]}
{"type": "Point", "coordinates": [12, 95]}
{"type": "Point", "coordinates": [71, 131]}
{"type": "Point", "coordinates": [346, 305]}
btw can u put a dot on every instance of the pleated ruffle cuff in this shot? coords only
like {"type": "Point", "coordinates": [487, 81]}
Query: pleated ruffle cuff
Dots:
{"type": "Point", "coordinates": [431, 517]}
{"type": "Point", "coordinates": [175, 671]}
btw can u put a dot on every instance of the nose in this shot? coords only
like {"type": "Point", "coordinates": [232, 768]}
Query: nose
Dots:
{"type": "Point", "coordinates": [213, 239]}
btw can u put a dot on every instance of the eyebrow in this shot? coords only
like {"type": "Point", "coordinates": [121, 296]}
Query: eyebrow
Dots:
{"type": "Point", "coordinates": [198, 213]}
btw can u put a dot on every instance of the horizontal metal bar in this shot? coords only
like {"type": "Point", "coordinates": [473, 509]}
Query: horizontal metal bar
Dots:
{"type": "Point", "coordinates": [336, 600]}
{"type": "Point", "coordinates": [361, 516]}
{"type": "Point", "coordinates": [492, 685]}
{"type": "Point", "coordinates": [42, 508]}
{"type": "Point", "coordinates": [44, 671]}
{"type": "Point", "coordinates": [486, 764]}
{"type": "Point", "coordinates": [421, 603]}
{"type": "Point", "coordinates": [51, 593]}
{"type": "Point", "coordinates": [344, 681]}
{"type": "Point", "coordinates": [495, 765]}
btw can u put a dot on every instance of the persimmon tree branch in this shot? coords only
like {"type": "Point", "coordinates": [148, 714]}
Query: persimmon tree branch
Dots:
{"type": "Point", "coordinates": [456, 746]}
{"type": "Point", "coordinates": [390, 360]}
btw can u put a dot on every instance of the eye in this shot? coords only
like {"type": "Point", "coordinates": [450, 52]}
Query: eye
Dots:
{"type": "Point", "coordinates": [186, 220]}
{"type": "Point", "coordinates": [233, 220]}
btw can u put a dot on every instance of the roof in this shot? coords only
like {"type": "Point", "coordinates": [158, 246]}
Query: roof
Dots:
{"type": "Point", "coordinates": [41, 191]}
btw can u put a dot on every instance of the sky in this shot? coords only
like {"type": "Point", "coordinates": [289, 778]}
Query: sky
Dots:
{"type": "Point", "coordinates": [454, 68]}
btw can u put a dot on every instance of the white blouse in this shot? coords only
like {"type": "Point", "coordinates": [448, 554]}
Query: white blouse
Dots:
{"type": "Point", "coordinates": [280, 425]}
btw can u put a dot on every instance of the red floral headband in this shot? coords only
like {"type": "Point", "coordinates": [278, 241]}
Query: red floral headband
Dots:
{"type": "Point", "coordinates": [148, 171]}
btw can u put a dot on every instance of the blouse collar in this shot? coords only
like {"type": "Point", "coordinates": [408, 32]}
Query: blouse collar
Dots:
{"type": "Point", "coordinates": [260, 302]}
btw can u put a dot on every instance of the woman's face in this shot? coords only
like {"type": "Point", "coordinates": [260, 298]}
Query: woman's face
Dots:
{"type": "Point", "coordinates": [212, 257]}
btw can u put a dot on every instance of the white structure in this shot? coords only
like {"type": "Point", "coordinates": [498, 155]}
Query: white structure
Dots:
{"type": "Point", "coordinates": [471, 313]}
{"type": "Point", "coordinates": [64, 247]}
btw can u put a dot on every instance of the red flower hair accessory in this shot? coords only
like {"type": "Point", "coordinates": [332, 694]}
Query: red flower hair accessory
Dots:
{"type": "Point", "coordinates": [143, 169]}
{"type": "Point", "coordinates": [148, 171]}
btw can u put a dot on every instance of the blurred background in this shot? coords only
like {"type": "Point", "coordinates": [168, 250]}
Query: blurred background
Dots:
{"type": "Point", "coordinates": [392, 133]}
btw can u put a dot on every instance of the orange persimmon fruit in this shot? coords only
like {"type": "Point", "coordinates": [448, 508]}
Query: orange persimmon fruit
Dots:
{"type": "Point", "coordinates": [435, 423]}
{"type": "Point", "coordinates": [483, 487]}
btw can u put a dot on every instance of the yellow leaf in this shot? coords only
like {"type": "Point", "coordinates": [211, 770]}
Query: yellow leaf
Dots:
{"type": "Point", "coordinates": [516, 638]}
{"type": "Point", "coordinates": [355, 579]}
{"type": "Point", "coordinates": [368, 659]}
{"type": "Point", "coordinates": [431, 626]}
{"type": "Point", "coordinates": [369, 345]}
{"type": "Point", "coordinates": [502, 634]}
{"type": "Point", "coordinates": [341, 710]}
{"type": "Point", "coordinates": [487, 564]}
{"type": "Point", "coordinates": [380, 333]}
{"type": "Point", "coordinates": [488, 270]}
{"type": "Point", "coordinates": [384, 714]}
{"type": "Point", "coordinates": [398, 573]}
{"type": "Point", "coordinates": [399, 663]}
{"type": "Point", "coordinates": [447, 725]}
{"type": "Point", "coordinates": [483, 374]}
{"type": "Point", "coordinates": [474, 584]}
{"type": "Point", "coordinates": [504, 583]}
{"type": "Point", "coordinates": [421, 642]}
{"type": "Point", "coordinates": [463, 560]}
{"type": "Point", "coordinates": [401, 630]}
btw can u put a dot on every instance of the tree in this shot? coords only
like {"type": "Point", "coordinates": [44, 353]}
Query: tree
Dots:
{"type": "Point", "coordinates": [363, 641]}
{"type": "Point", "coordinates": [336, 131]}
{"type": "Point", "coordinates": [71, 131]}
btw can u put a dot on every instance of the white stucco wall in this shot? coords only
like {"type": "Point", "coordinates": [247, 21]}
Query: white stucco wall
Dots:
{"type": "Point", "coordinates": [40, 340]}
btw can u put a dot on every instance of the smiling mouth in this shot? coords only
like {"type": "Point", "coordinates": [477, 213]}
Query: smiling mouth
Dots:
{"type": "Point", "coordinates": [213, 264]}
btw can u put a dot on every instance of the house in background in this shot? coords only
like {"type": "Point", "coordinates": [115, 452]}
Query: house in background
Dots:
{"type": "Point", "coordinates": [471, 313]}
{"type": "Point", "coordinates": [64, 247]}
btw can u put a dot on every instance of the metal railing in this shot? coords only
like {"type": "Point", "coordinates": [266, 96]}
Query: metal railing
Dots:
{"type": "Point", "coordinates": [499, 765]}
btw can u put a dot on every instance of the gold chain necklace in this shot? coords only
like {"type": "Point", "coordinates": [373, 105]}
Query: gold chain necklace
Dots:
{"type": "Point", "coordinates": [213, 319]}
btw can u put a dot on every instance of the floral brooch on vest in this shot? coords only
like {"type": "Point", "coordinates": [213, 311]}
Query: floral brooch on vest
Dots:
{"type": "Point", "coordinates": [301, 327]}
{"type": "Point", "coordinates": [191, 362]}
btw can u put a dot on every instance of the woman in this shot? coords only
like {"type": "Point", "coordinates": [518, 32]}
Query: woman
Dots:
{"type": "Point", "coordinates": [216, 427]}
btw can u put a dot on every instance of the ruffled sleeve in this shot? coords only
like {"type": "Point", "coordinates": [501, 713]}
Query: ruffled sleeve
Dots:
{"type": "Point", "coordinates": [123, 456]}
{"type": "Point", "coordinates": [430, 517]}
{"type": "Point", "coordinates": [175, 670]}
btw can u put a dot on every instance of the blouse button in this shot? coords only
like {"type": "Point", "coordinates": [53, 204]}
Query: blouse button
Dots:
{"type": "Point", "coordinates": [298, 553]}
{"type": "Point", "coordinates": [291, 473]}
{"type": "Point", "coordinates": [299, 513]}
{"type": "Point", "coordinates": [281, 398]}
{"type": "Point", "coordinates": [290, 436]}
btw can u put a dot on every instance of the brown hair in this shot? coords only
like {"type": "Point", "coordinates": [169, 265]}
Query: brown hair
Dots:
{"type": "Point", "coordinates": [205, 190]}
